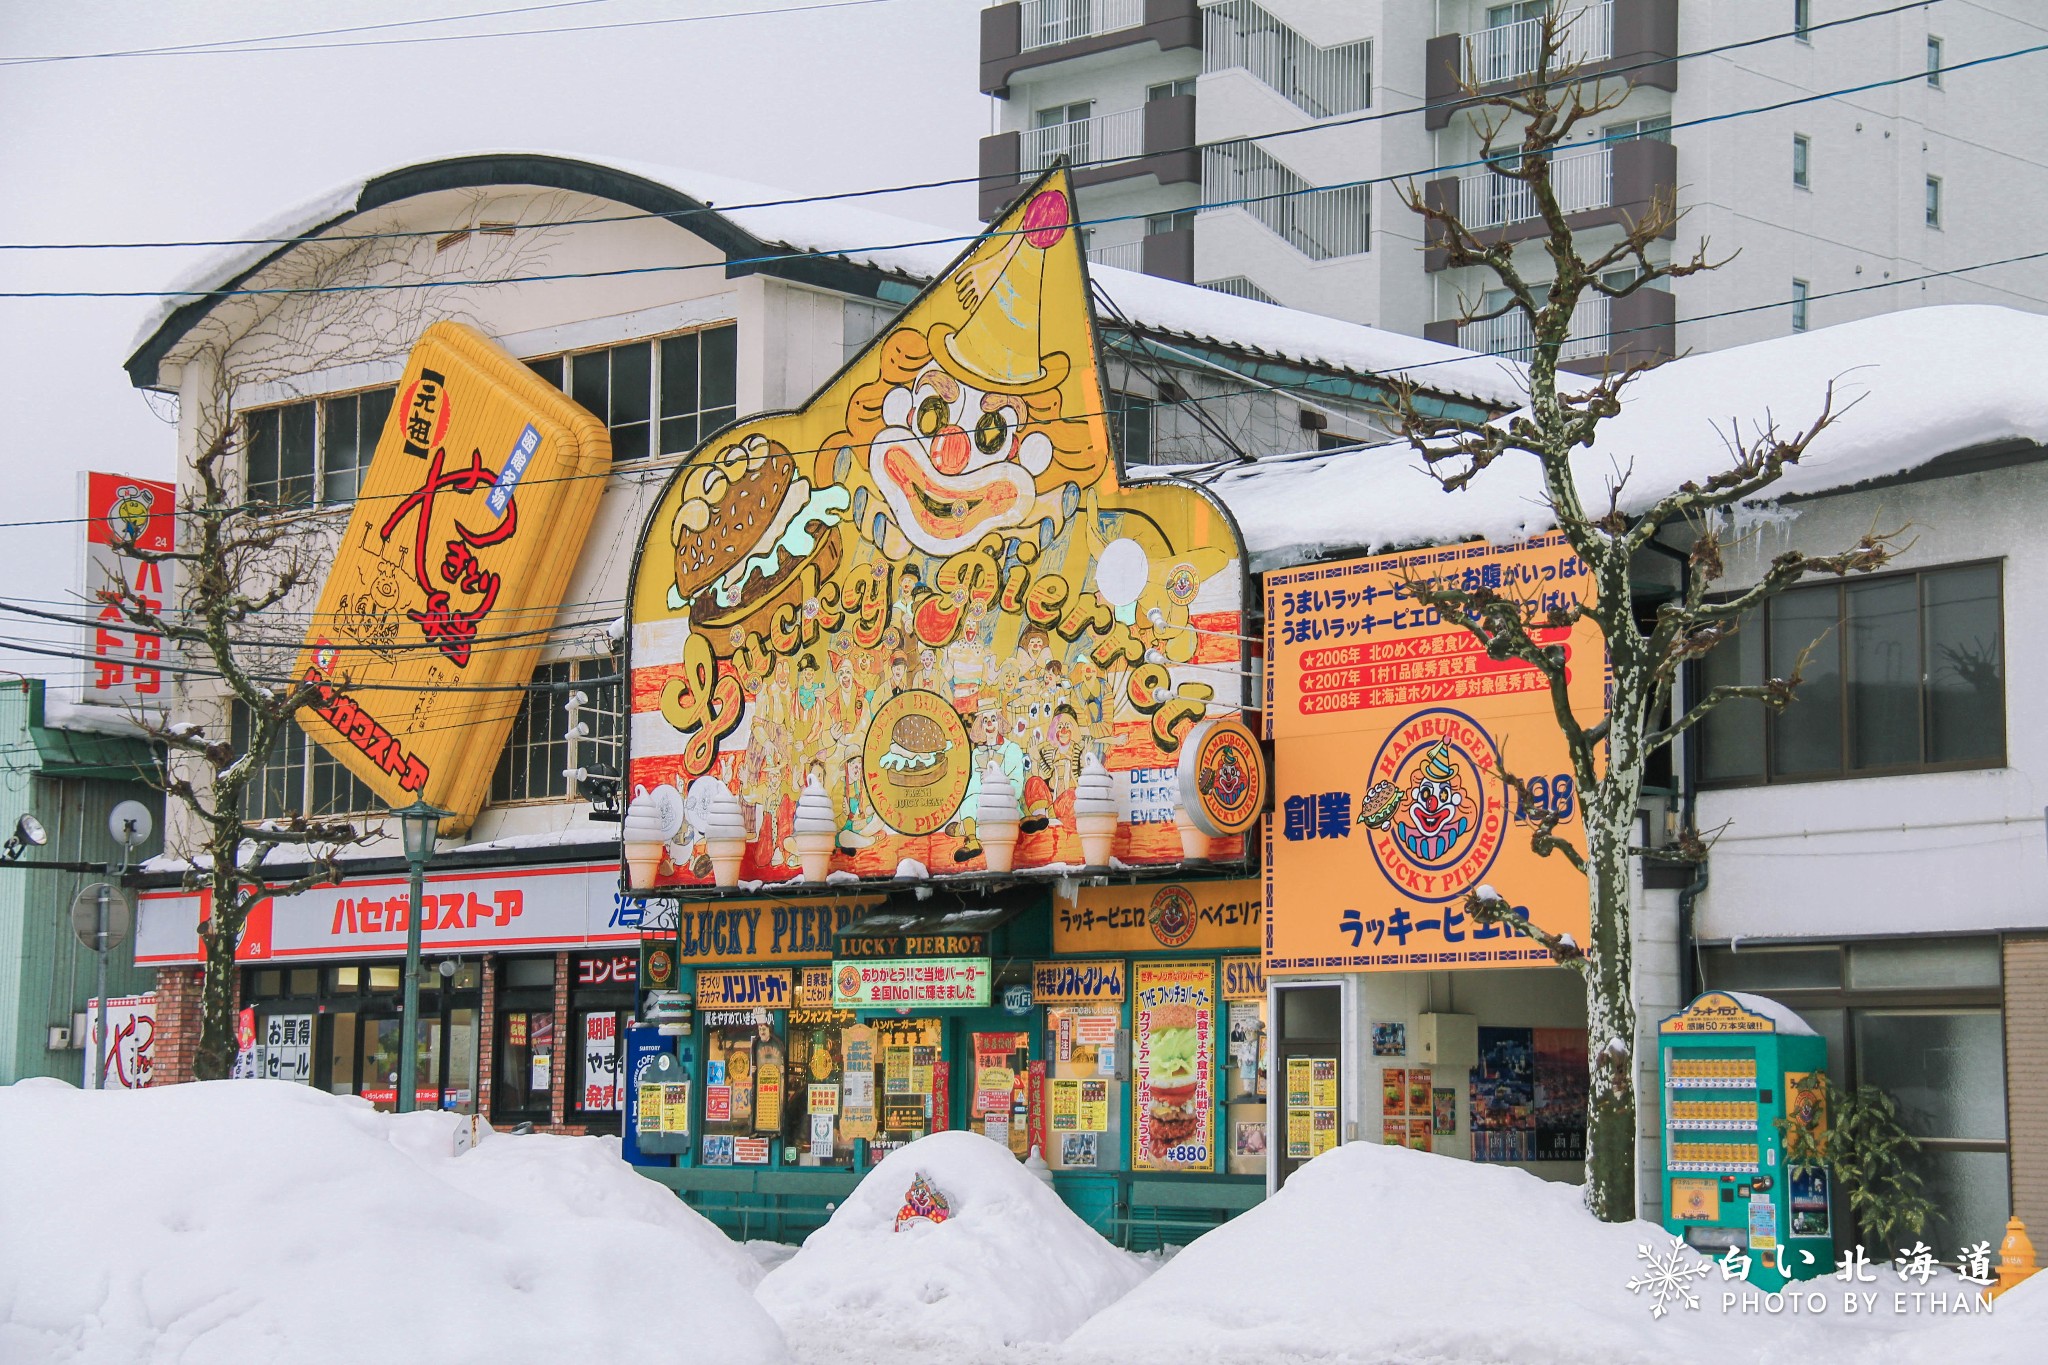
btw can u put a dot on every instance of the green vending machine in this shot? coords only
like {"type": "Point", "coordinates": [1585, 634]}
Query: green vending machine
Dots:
{"type": "Point", "coordinates": [1732, 1065]}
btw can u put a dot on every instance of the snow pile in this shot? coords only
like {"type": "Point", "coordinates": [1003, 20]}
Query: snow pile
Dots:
{"type": "Point", "coordinates": [1386, 1254]}
{"type": "Point", "coordinates": [1011, 1263]}
{"type": "Point", "coordinates": [255, 1220]}
{"type": "Point", "coordinates": [1924, 382]}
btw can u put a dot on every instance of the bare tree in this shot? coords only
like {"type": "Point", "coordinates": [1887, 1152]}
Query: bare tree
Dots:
{"type": "Point", "coordinates": [246, 563]}
{"type": "Point", "coordinates": [1521, 129]}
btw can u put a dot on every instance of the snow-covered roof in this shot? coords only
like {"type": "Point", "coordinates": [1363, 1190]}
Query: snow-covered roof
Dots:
{"type": "Point", "coordinates": [848, 228]}
{"type": "Point", "coordinates": [1911, 386]}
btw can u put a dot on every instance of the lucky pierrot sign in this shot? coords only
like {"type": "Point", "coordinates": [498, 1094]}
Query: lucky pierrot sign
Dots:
{"type": "Point", "coordinates": [461, 543]}
{"type": "Point", "coordinates": [929, 581]}
{"type": "Point", "coordinates": [1392, 729]}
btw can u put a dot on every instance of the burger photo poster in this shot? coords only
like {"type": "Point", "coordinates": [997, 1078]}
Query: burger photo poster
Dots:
{"type": "Point", "coordinates": [1173, 1066]}
{"type": "Point", "coordinates": [922, 617]}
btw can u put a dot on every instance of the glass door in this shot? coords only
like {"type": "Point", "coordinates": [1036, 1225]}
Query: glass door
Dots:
{"type": "Point", "coordinates": [377, 1060]}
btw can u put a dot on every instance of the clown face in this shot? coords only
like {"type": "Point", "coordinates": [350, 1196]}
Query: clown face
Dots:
{"type": "Point", "coordinates": [953, 462]}
{"type": "Point", "coordinates": [1432, 806]}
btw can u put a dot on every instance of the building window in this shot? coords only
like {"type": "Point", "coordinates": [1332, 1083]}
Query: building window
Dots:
{"type": "Point", "coordinates": [863, 321]}
{"type": "Point", "coordinates": [1130, 427]}
{"type": "Point", "coordinates": [296, 451]}
{"type": "Point", "coordinates": [298, 777]}
{"type": "Point", "coordinates": [1802, 20]}
{"type": "Point", "coordinates": [655, 397]}
{"type": "Point", "coordinates": [1799, 305]}
{"type": "Point", "coordinates": [1182, 220]}
{"type": "Point", "coordinates": [1654, 129]}
{"type": "Point", "coordinates": [1934, 62]}
{"type": "Point", "coordinates": [1799, 168]}
{"type": "Point", "coordinates": [1902, 673]}
{"type": "Point", "coordinates": [1934, 201]}
{"type": "Point", "coordinates": [537, 753]}
{"type": "Point", "coordinates": [1168, 89]}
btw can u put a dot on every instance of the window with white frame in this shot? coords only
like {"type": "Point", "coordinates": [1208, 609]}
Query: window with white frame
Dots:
{"type": "Point", "coordinates": [1934, 201]}
{"type": "Point", "coordinates": [1656, 128]}
{"type": "Point", "coordinates": [536, 759]}
{"type": "Point", "coordinates": [1799, 305]}
{"type": "Point", "coordinates": [298, 777]}
{"type": "Point", "coordinates": [1166, 90]}
{"type": "Point", "coordinates": [659, 397]}
{"type": "Point", "coordinates": [1801, 169]}
{"type": "Point", "coordinates": [1934, 62]}
{"type": "Point", "coordinates": [295, 454]}
{"type": "Point", "coordinates": [1802, 20]}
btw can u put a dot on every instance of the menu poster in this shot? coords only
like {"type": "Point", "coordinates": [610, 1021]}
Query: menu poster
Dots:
{"type": "Point", "coordinates": [1322, 1131]}
{"type": "Point", "coordinates": [1418, 1091]}
{"type": "Point", "coordinates": [1418, 1134]}
{"type": "Point", "coordinates": [1299, 1069]}
{"type": "Point", "coordinates": [1443, 1111]}
{"type": "Point", "coordinates": [647, 1108]}
{"type": "Point", "coordinates": [768, 1098]}
{"type": "Point", "coordinates": [1080, 1106]}
{"type": "Point", "coordinates": [1174, 1066]}
{"type": "Point", "coordinates": [675, 1109]}
{"type": "Point", "coordinates": [1393, 1132]}
{"type": "Point", "coordinates": [1393, 1091]}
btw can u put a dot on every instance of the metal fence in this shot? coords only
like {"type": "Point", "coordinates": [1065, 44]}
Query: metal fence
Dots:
{"type": "Point", "coordinates": [1123, 255]}
{"type": "Point", "coordinates": [1320, 224]}
{"type": "Point", "coordinates": [1319, 81]}
{"type": "Point", "coordinates": [1106, 137]}
{"type": "Point", "coordinates": [1581, 180]}
{"type": "Point", "coordinates": [1046, 22]}
{"type": "Point", "coordinates": [1508, 51]}
{"type": "Point", "coordinates": [1239, 287]}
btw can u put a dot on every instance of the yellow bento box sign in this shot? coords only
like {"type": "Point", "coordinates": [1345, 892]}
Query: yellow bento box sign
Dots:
{"type": "Point", "coordinates": [451, 569]}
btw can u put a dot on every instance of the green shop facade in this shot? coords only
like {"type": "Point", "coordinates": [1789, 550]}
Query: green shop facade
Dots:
{"type": "Point", "coordinates": [1117, 1032]}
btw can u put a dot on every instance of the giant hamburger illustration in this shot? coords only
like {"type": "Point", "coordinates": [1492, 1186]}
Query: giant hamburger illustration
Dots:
{"type": "Point", "coordinates": [1171, 1086]}
{"type": "Point", "coordinates": [917, 743]}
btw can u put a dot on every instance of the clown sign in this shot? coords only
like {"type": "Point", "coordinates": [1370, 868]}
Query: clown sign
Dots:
{"type": "Point", "coordinates": [913, 617]}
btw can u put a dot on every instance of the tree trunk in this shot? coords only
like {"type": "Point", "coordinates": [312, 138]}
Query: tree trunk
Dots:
{"type": "Point", "coordinates": [1610, 1005]}
{"type": "Point", "coordinates": [218, 938]}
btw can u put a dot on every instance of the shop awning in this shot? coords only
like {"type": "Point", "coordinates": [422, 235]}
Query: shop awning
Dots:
{"type": "Point", "coordinates": [901, 927]}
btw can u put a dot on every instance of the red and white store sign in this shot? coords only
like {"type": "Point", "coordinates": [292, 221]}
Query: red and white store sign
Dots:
{"type": "Point", "coordinates": [464, 912]}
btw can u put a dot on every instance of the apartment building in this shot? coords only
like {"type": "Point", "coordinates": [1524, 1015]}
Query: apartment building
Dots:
{"type": "Point", "coordinates": [1224, 144]}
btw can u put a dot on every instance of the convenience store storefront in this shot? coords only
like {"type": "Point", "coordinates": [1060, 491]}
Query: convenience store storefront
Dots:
{"type": "Point", "coordinates": [527, 984]}
{"type": "Point", "coordinates": [1121, 1033]}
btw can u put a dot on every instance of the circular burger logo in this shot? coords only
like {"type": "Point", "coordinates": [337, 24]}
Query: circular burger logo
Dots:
{"type": "Point", "coordinates": [849, 982]}
{"type": "Point", "coordinates": [1171, 917]}
{"type": "Point", "coordinates": [1436, 810]}
{"type": "Point", "coordinates": [916, 762]}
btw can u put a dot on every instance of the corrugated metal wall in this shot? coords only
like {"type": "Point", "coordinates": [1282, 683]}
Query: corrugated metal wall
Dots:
{"type": "Point", "coordinates": [2026, 1078]}
{"type": "Point", "coordinates": [46, 975]}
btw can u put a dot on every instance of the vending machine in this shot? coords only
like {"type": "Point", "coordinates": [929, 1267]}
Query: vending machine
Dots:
{"type": "Point", "coordinates": [1732, 1065]}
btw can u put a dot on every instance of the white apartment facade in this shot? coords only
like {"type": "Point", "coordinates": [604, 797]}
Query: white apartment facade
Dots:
{"type": "Point", "coordinates": [1229, 139]}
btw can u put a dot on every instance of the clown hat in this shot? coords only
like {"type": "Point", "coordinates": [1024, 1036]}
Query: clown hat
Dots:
{"type": "Point", "coordinates": [1436, 767]}
{"type": "Point", "coordinates": [997, 349]}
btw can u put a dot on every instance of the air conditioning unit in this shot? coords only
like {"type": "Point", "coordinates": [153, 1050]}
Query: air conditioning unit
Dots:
{"type": "Point", "coordinates": [60, 1038]}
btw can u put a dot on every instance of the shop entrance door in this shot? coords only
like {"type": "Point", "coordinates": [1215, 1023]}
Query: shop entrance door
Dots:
{"type": "Point", "coordinates": [1307, 1075]}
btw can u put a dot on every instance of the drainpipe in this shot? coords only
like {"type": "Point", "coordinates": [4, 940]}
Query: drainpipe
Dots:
{"type": "Point", "coordinates": [1688, 802]}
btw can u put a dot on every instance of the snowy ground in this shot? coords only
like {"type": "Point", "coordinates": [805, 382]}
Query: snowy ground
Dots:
{"type": "Point", "coordinates": [255, 1221]}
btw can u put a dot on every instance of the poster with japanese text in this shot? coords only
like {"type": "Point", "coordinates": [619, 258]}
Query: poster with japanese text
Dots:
{"type": "Point", "coordinates": [932, 571]}
{"type": "Point", "coordinates": [1173, 1066]}
{"type": "Point", "coordinates": [456, 556]}
{"type": "Point", "coordinates": [1391, 730]}
{"type": "Point", "coordinates": [601, 1062]}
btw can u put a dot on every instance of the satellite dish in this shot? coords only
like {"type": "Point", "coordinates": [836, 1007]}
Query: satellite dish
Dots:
{"type": "Point", "coordinates": [130, 823]}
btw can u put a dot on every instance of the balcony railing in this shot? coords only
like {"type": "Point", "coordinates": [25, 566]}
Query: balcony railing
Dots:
{"type": "Point", "coordinates": [1510, 334]}
{"type": "Point", "coordinates": [1507, 52]}
{"type": "Point", "coordinates": [1320, 81]}
{"type": "Point", "coordinates": [1581, 181]}
{"type": "Point", "coordinates": [1123, 255]}
{"type": "Point", "coordinates": [1320, 224]}
{"type": "Point", "coordinates": [1049, 22]}
{"type": "Point", "coordinates": [1239, 287]}
{"type": "Point", "coordinates": [1087, 141]}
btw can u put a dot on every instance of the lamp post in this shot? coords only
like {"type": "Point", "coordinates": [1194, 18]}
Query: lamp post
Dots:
{"type": "Point", "coordinates": [421, 825]}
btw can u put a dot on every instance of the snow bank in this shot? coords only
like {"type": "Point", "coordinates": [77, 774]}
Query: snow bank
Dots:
{"type": "Point", "coordinates": [252, 1220]}
{"type": "Point", "coordinates": [1011, 1264]}
{"type": "Point", "coordinates": [1377, 1253]}
{"type": "Point", "coordinates": [1924, 382]}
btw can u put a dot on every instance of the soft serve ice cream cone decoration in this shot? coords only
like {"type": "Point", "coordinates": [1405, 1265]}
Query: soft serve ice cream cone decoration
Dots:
{"type": "Point", "coordinates": [817, 830]}
{"type": "Point", "coordinates": [1095, 812]}
{"type": "Point", "coordinates": [725, 838]}
{"type": "Point", "coordinates": [996, 819]}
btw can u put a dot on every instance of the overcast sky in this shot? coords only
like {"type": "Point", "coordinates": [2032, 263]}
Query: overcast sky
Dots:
{"type": "Point", "coordinates": [172, 148]}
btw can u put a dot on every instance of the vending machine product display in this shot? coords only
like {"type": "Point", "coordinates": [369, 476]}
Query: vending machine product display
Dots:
{"type": "Point", "coordinates": [1732, 1066]}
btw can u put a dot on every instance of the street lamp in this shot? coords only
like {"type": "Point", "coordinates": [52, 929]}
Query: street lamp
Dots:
{"type": "Point", "coordinates": [421, 825]}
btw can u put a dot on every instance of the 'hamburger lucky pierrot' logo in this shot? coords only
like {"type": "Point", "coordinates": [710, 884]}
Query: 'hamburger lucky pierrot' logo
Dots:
{"type": "Point", "coordinates": [1435, 812]}
{"type": "Point", "coordinates": [917, 762]}
{"type": "Point", "coordinates": [1172, 916]}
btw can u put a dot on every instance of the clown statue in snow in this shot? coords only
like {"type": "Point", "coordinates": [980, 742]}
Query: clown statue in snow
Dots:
{"type": "Point", "coordinates": [931, 566]}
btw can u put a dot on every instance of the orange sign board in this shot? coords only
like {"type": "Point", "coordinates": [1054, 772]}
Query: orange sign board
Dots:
{"type": "Point", "coordinates": [461, 543]}
{"type": "Point", "coordinates": [1390, 730]}
{"type": "Point", "coordinates": [929, 593]}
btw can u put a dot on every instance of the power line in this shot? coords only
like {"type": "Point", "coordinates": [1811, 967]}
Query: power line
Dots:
{"type": "Point", "coordinates": [957, 239]}
{"type": "Point", "coordinates": [678, 215]}
{"type": "Point", "coordinates": [234, 46]}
